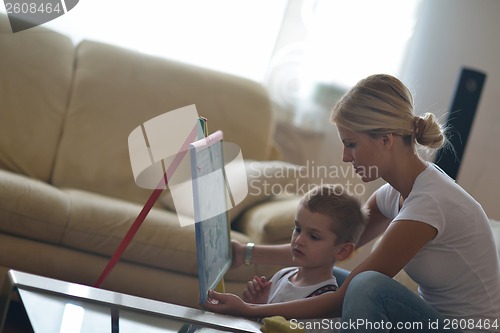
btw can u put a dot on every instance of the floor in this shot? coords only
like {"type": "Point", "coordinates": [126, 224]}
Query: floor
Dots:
{"type": "Point", "coordinates": [17, 320]}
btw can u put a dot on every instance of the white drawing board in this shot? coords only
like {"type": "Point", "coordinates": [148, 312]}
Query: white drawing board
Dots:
{"type": "Point", "coordinates": [213, 243]}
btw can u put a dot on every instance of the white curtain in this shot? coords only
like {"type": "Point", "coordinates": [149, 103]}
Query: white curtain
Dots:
{"type": "Point", "coordinates": [306, 52]}
{"type": "Point", "coordinates": [326, 46]}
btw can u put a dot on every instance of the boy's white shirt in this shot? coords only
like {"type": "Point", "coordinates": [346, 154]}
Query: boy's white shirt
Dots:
{"type": "Point", "coordinates": [283, 290]}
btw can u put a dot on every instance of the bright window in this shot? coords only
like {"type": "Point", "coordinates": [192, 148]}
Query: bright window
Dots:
{"type": "Point", "coordinates": [235, 36]}
{"type": "Point", "coordinates": [349, 40]}
{"type": "Point", "coordinates": [341, 40]}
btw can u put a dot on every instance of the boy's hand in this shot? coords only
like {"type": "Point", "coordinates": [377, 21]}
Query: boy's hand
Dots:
{"type": "Point", "coordinates": [257, 291]}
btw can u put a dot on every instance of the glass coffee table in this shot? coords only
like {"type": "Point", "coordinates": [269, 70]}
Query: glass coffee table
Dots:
{"type": "Point", "coordinates": [58, 306]}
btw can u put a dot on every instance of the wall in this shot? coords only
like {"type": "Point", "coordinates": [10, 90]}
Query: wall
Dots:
{"type": "Point", "coordinates": [451, 34]}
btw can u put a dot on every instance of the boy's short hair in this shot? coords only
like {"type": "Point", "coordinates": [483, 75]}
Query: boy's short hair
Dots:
{"type": "Point", "coordinates": [348, 217]}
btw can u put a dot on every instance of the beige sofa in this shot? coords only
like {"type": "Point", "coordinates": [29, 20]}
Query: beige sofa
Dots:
{"type": "Point", "coordinates": [67, 193]}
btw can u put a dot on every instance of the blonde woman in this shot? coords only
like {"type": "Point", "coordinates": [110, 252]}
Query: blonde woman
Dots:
{"type": "Point", "coordinates": [431, 227]}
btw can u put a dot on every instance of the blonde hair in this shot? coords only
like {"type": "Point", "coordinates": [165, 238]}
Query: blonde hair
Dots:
{"type": "Point", "coordinates": [382, 104]}
{"type": "Point", "coordinates": [348, 217]}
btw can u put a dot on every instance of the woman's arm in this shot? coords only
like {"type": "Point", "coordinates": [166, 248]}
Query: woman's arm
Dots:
{"type": "Point", "coordinates": [400, 243]}
{"type": "Point", "coordinates": [377, 222]}
{"type": "Point", "coordinates": [402, 240]}
{"type": "Point", "coordinates": [322, 306]}
{"type": "Point", "coordinates": [263, 254]}
{"type": "Point", "coordinates": [281, 254]}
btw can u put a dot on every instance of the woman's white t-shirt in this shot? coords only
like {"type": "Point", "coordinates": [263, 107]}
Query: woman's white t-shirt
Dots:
{"type": "Point", "coordinates": [458, 272]}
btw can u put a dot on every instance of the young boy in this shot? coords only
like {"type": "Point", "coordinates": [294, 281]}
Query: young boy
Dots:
{"type": "Point", "coordinates": [328, 223]}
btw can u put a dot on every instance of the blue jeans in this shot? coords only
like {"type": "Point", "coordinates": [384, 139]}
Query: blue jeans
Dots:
{"type": "Point", "coordinates": [376, 303]}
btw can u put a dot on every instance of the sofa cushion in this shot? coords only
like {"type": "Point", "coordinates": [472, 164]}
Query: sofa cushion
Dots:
{"type": "Point", "coordinates": [96, 224]}
{"type": "Point", "coordinates": [116, 90]}
{"type": "Point", "coordinates": [33, 209]}
{"type": "Point", "coordinates": [267, 180]}
{"type": "Point", "coordinates": [270, 222]}
{"type": "Point", "coordinates": [99, 223]}
{"type": "Point", "coordinates": [34, 92]}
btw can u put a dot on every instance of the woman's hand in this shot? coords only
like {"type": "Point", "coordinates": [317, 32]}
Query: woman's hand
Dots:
{"type": "Point", "coordinates": [257, 291]}
{"type": "Point", "coordinates": [228, 304]}
{"type": "Point", "coordinates": [238, 254]}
